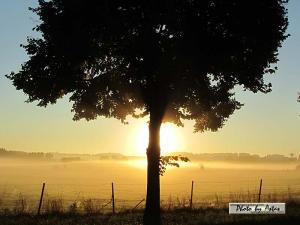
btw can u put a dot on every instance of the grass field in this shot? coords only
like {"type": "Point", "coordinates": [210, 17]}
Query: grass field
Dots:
{"type": "Point", "coordinates": [89, 182]}
{"type": "Point", "coordinates": [79, 193]}
{"type": "Point", "coordinates": [180, 216]}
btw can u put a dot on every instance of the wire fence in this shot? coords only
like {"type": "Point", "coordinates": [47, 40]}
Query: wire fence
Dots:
{"type": "Point", "coordinates": [89, 198]}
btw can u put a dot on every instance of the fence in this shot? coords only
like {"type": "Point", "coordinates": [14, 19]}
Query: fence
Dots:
{"type": "Point", "coordinates": [115, 197]}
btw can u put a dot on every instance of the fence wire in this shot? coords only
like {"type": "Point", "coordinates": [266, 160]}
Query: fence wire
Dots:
{"type": "Point", "coordinates": [89, 198]}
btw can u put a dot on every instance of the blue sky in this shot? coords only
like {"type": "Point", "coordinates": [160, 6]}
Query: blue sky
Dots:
{"type": "Point", "coordinates": [266, 124]}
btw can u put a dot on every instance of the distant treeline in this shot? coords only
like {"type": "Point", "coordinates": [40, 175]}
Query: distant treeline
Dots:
{"type": "Point", "coordinates": [64, 157]}
{"type": "Point", "coordinates": [70, 159]}
{"type": "Point", "coordinates": [102, 156]}
{"type": "Point", "coordinates": [225, 157]}
{"type": "Point", "coordinates": [28, 155]}
{"type": "Point", "coordinates": [240, 157]}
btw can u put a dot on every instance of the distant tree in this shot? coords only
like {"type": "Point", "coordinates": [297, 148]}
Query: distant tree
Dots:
{"type": "Point", "coordinates": [171, 60]}
{"type": "Point", "coordinates": [2, 151]}
{"type": "Point", "coordinates": [298, 99]}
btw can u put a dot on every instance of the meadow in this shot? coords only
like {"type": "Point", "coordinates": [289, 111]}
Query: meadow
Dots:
{"type": "Point", "coordinates": [85, 186]}
{"type": "Point", "coordinates": [203, 216]}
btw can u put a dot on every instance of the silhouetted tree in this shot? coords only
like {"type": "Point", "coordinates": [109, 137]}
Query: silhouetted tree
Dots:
{"type": "Point", "coordinates": [171, 60]}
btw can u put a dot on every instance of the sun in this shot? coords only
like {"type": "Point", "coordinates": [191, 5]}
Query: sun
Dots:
{"type": "Point", "coordinates": [169, 139]}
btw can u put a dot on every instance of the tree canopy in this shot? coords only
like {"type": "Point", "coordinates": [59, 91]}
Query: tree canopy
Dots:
{"type": "Point", "coordinates": [181, 58]}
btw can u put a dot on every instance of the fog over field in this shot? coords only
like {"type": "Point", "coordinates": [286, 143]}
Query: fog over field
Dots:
{"type": "Point", "coordinates": [82, 179]}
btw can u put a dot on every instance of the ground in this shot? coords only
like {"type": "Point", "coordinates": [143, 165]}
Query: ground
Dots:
{"type": "Point", "coordinates": [203, 216]}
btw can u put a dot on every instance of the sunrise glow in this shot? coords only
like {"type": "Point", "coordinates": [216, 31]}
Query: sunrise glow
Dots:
{"type": "Point", "coordinates": [169, 139]}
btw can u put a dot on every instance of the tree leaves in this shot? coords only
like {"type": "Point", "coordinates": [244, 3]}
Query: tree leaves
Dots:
{"type": "Point", "coordinates": [172, 160]}
{"type": "Point", "coordinates": [114, 58]}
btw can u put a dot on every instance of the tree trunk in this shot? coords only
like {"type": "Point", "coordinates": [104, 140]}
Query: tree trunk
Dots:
{"type": "Point", "coordinates": [152, 210]}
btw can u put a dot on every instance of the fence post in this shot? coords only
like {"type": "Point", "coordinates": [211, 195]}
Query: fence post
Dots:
{"type": "Point", "coordinates": [113, 198]}
{"type": "Point", "coordinates": [192, 192]}
{"type": "Point", "coordinates": [259, 193]}
{"type": "Point", "coordinates": [41, 199]}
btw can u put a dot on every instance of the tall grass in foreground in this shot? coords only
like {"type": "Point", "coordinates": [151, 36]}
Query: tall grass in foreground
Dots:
{"type": "Point", "coordinates": [22, 205]}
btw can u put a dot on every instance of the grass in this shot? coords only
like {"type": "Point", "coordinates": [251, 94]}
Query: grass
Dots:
{"type": "Point", "coordinates": [179, 215]}
{"type": "Point", "coordinates": [203, 216]}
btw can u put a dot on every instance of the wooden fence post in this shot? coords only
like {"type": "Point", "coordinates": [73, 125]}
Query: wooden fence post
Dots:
{"type": "Point", "coordinates": [192, 192]}
{"type": "Point", "coordinates": [41, 199]}
{"type": "Point", "coordinates": [113, 198]}
{"type": "Point", "coordinates": [259, 193]}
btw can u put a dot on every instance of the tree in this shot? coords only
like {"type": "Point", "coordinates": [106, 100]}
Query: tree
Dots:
{"type": "Point", "coordinates": [172, 60]}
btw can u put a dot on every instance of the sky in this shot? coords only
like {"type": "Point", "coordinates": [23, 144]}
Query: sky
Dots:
{"type": "Point", "coordinates": [266, 124]}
